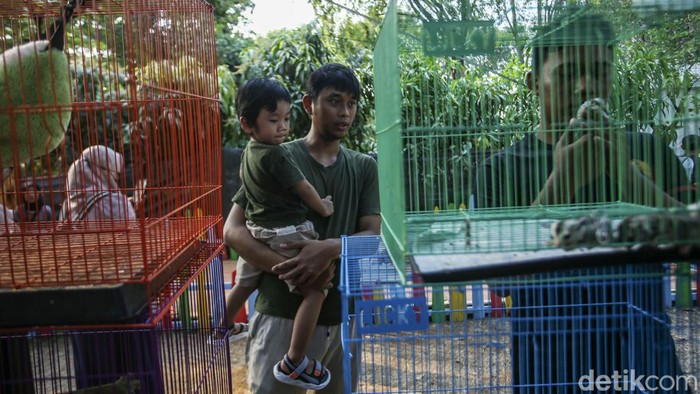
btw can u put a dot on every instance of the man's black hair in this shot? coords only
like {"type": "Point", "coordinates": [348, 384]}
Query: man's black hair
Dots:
{"type": "Point", "coordinates": [257, 94]}
{"type": "Point", "coordinates": [574, 26]}
{"type": "Point", "coordinates": [335, 76]}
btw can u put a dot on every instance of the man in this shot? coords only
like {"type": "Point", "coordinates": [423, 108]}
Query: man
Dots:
{"type": "Point", "coordinates": [564, 327]}
{"type": "Point", "coordinates": [351, 179]}
{"type": "Point", "coordinates": [547, 166]}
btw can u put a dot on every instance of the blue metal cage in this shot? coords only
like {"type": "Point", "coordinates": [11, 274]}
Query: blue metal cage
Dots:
{"type": "Point", "coordinates": [626, 328]}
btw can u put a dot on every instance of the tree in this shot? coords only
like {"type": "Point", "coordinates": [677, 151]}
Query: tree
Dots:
{"type": "Point", "coordinates": [228, 14]}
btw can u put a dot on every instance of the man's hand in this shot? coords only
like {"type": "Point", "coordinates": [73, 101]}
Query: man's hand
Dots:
{"type": "Point", "coordinates": [323, 281]}
{"type": "Point", "coordinates": [574, 159]}
{"type": "Point", "coordinates": [313, 259]}
{"type": "Point", "coordinates": [585, 151]}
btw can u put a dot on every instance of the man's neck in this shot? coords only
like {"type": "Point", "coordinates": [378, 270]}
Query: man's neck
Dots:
{"type": "Point", "coordinates": [323, 151]}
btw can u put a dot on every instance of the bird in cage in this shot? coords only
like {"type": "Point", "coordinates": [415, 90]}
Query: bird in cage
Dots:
{"type": "Point", "coordinates": [663, 228]}
{"type": "Point", "coordinates": [593, 112]}
{"type": "Point", "coordinates": [586, 231]}
{"type": "Point", "coordinates": [35, 95]}
{"type": "Point", "coordinates": [573, 233]}
{"type": "Point", "coordinates": [651, 229]}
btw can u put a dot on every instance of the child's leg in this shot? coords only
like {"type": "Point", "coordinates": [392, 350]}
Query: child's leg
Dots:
{"type": "Point", "coordinates": [295, 368]}
{"type": "Point", "coordinates": [247, 278]}
{"type": "Point", "coordinates": [304, 324]}
{"type": "Point", "coordinates": [235, 300]}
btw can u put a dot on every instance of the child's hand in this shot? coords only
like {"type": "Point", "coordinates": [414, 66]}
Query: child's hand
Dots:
{"type": "Point", "coordinates": [327, 206]}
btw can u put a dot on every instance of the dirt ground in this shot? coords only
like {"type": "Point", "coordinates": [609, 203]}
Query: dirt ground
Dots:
{"type": "Point", "coordinates": [468, 355]}
{"type": "Point", "coordinates": [238, 367]}
{"type": "Point", "coordinates": [436, 359]}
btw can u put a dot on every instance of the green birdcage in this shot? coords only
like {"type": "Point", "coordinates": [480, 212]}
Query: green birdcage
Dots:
{"type": "Point", "coordinates": [482, 189]}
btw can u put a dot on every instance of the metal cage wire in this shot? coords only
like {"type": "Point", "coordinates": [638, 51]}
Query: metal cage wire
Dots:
{"type": "Point", "coordinates": [142, 82]}
{"type": "Point", "coordinates": [112, 277]}
{"type": "Point", "coordinates": [170, 354]}
{"type": "Point", "coordinates": [451, 92]}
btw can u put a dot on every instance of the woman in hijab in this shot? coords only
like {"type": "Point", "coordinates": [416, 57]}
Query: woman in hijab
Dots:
{"type": "Point", "coordinates": [93, 190]}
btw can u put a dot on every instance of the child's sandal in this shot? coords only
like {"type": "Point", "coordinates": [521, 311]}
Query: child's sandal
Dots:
{"type": "Point", "coordinates": [237, 331]}
{"type": "Point", "coordinates": [318, 379]}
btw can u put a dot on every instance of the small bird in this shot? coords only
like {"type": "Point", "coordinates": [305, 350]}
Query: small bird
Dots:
{"type": "Point", "coordinates": [574, 233]}
{"type": "Point", "coordinates": [595, 109]}
{"type": "Point", "coordinates": [664, 228]}
{"type": "Point", "coordinates": [35, 95]}
{"type": "Point", "coordinates": [586, 231]}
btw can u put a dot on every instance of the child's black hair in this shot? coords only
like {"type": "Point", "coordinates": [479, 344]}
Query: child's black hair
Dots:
{"type": "Point", "coordinates": [257, 94]}
{"type": "Point", "coordinates": [333, 75]}
{"type": "Point", "coordinates": [572, 27]}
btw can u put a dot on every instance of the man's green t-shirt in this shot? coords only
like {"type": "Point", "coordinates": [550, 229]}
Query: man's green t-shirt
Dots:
{"type": "Point", "coordinates": [353, 183]}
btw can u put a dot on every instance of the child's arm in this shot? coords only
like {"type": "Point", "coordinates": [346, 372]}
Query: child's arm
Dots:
{"type": "Point", "coordinates": [307, 193]}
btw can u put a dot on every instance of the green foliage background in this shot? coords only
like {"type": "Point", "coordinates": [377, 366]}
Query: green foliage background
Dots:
{"type": "Point", "coordinates": [654, 62]}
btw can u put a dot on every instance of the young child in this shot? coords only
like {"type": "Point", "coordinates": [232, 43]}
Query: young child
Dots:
{"type": "Point", "coordinates": [32, 207]}
{"type": "Point", "coordinates": [278, 196]}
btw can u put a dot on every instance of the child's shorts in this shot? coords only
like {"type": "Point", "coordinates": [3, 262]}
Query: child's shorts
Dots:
{"type": "Point", "coordinates": [247, 275]}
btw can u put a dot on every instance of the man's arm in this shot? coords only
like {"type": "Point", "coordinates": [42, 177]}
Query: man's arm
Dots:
{"type": "Point", "coordinates": [369, 225]}
{"type": "Point", "coordinates": [571, 170]}
{"type": "Point", "coordinates": [237, 236]}
{"type": "Point", "coordinates": [641, 190]}
{"type": "Point", "coordinates": [662, 169]}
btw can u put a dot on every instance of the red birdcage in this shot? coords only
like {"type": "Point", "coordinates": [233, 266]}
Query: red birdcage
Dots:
{"type": "Point", "coordinates": [111, 276]}
{"type": "Point", "coordinates": [97, 223]}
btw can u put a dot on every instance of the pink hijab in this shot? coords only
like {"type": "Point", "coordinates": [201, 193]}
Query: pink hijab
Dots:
{"type": "Point", "coordinates": [92, 189]}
